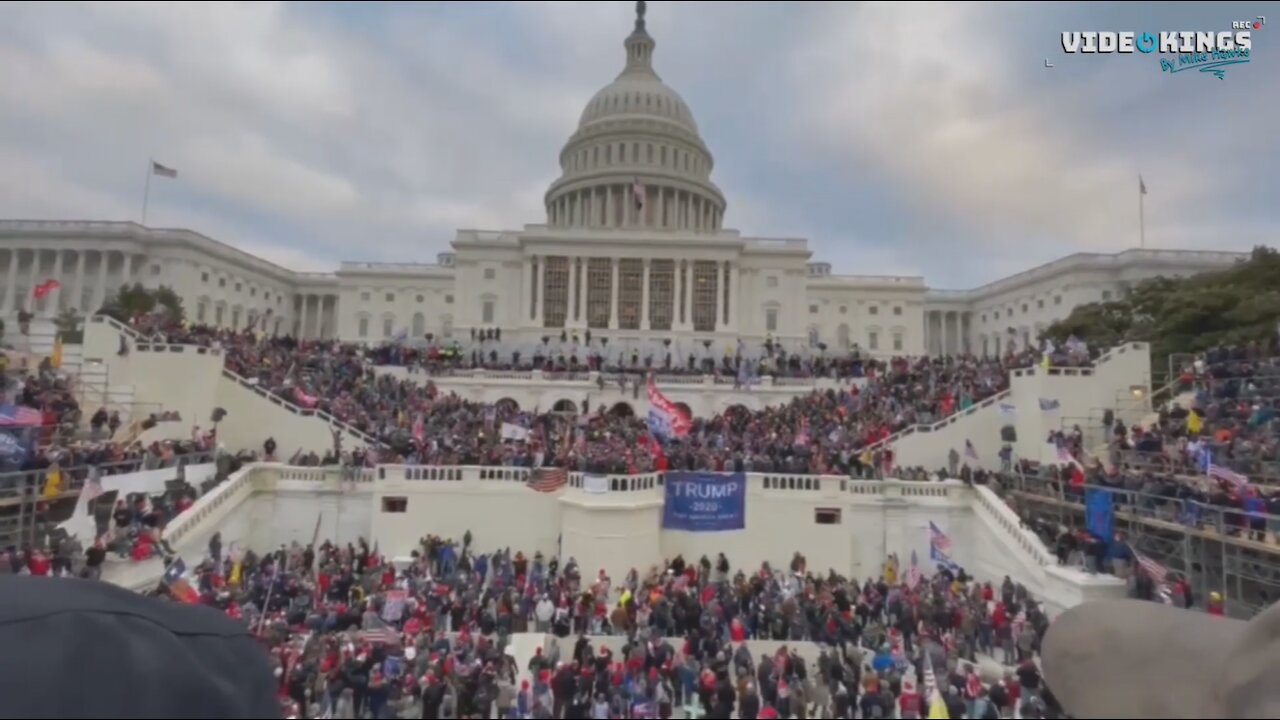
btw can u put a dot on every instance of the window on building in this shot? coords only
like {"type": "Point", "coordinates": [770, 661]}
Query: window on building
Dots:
{"type": "Point", "coordinates": [419, 324]}
{"type": "Point", "coordinates": [420, 298]}
{"type": "Point", "coordinates": [630, 292]}
{"type": "Point", "coordinates": [873, 340]}
{"type": "Point", "coordinates": [662, 293]}
{"type": "Point", "coordinates": [391, 297]}
{"type": "Point", "coordinates": [1106, 295]}
{"type": "Point", "coordinates": [235, 319]}
{"type": "Point", "coordinates": [395, 504]}
{"type": "Point", "coordinates": [200, 311]}
{"type": "Point", "coordinates": [217, 315]}
{"type": "Point", "coordinates": [253, 292]}
{"type": "Point", "coordinates": [662, 155]}
{"type": "Point", "coordinates": [486, 312]}
{"type": "Point", "coordinates": [826, 516]}
{"type": "Point", "coordinates": [997, 314]}
{"type": "Point", "coordinates": [1057, 299]}
{"type": "Point", "coordinates": [387, 326]}
{"type": "Point", "coordinates": [1040, 304]}
{"type": "Point", "coordinates": [771, 281]}
{"type": "Point", "coordinates": [448, 299]}
{"type": "Point", "coordinates": [363, 329]}
{"type": "Point", "coordinates": [608, 154]}
{"type": "Point", "coordinates": [649, 154]}
{"type": "Point", "coordinates": [771, 320]}
{"type": "Point", "coordinates": [204, 277]}
{"type": "Point", "coordinates": [222, 282]}
{"type": "Point", "coordinates": [237, 287]}
{"type": "Point", "coordinates": [874, 310]}
{"type": "Point", "coordinates": [364, 296]}
{"type": "Point", "coordinates": [706, 278]}
{"type": "Point", "coordinates": [897, 341]}
{"type": "Point", "coordinates": [844, 309]}
{"type": "Point", "coordinates": [897, 309]}
{"type": "Point", "coordinates": [155, 270]}
{"type": "Point", "coordinates": [446, 326]}
{"type": "Point", "coordinates": [1024, 308]}
{"type": "Point", "coordinates": [984, 317]}
{"type": "Point", "coordinates": [813, 309]}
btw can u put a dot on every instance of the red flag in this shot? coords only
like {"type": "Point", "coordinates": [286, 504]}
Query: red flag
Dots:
{"type": "Point", "coordinates": [45, 288]}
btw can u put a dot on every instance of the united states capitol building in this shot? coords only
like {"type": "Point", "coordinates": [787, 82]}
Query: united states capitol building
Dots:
{"type": "Point", "coordinates": [633, 248]}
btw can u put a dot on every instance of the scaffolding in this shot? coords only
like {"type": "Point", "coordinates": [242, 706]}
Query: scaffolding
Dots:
{"type": "Point", "coordinates": [1214, 549]}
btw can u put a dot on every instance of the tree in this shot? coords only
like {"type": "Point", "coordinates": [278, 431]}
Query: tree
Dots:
{"type": "Point", "coordinates": [134, 300]}
{"type": "Point", "coordinates": [1233, 306]}
{"type": "Point", "coordinates": [69, 327]}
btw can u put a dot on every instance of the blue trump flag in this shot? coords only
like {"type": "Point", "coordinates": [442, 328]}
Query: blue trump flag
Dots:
{"type": "Point", "coordinates": [704, 502]}
{"type": "Point", "coordinates": [1098, 515]}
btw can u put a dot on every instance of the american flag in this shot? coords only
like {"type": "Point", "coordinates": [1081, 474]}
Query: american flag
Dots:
{"type": "Point", "coordinates": [1153, 569]}
{"type": "Point", "coordinates": [379, 636]}
{"type": "Point", "coordinates": [162, 171]}
{"type": "Point", "coordinates": [913, 572]}
{"type": "Point", "coordinates": [548, 479]}
{"type": "Point", "coordinates": [1227, 475]}
{"type": "Point", "coordinates": [19, 415]}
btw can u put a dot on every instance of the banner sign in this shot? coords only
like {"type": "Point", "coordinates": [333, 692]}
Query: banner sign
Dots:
{"type": "Point", "coordinates": [1098, 513]}
{"type": "Point", "coordinates": [595, 484]}
{"type": "Point", "coordinates": [705, 502]}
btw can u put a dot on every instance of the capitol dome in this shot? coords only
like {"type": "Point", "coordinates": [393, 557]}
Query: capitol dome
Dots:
{"type": "Point", "coordinates": [636, 159]}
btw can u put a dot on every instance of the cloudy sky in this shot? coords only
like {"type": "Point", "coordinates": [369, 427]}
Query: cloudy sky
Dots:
{"type": "Point", "coordinates": [903, 138]}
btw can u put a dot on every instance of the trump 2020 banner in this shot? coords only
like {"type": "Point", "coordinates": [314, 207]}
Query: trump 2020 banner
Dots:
{"type": "Point", "coordinates": [705, 502]}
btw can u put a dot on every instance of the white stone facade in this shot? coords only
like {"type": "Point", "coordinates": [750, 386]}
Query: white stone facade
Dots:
{"type": "Point", "coordinates": [633, 249]}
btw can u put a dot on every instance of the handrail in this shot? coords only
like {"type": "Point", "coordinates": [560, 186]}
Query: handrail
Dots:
{"type": "Point", "coordinates": [298, 410]}
{"type": "Point", "coordinates": [948, 420]}
{"type": "Point", "coordinates": [101, 319]}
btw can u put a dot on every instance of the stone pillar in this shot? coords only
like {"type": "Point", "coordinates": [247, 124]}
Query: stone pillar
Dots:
{"type": "Point", "coordinates": [662, 208]}
{"type": "Point", "coordinates": [731, 310]}
{"type": "Point", "coordinates": [30, 301]}
{"type": "Point", "coordinates": [570, 314]}
{"type": "Point", "coordinates": [719, 321]}
{"type": "Point", "coordinates": [54, 303]}
{"type": "Point", "coordinates": [78, 298]}
{"type": "Point", "coordinates": [608, 206]}
{"type": "Point", "coordinates": [644, 297]}
{"type": "Point", "coordinates": [615, 295]}
{"type": "Point", "coordinates": [8, 302]}
{"type": "Point", "coordinates": [100, 292]}
{"type": "Point", "coordinates": [688, 294]}
{"type": "Point", "coordinates": [302, 318]}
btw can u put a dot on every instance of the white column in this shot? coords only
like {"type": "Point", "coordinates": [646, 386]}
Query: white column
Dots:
{"type": "Point", "coordinates": [644, 298]}
{"type": "Point", "coordinates": [100, 292]}
{"type": "Point", "coordinates": [948, 338]}
{"type": "Point", "coordinates": [719, 321]}
{"type": "Point", "coordinates": [573, 292]}
{"type": "Point", "coordinates": [11, 275]}
{"type": "Point", "coordinates": [662, 208]}
{"type": "Point", "coordinates": [688, 294]}
{"type": "Point", "coordinates": [302, 319]}
{"type": "Point", "coordinates": [732, 322]}
{"type": "Point", "coordinates": [55, 298]}
{"type": "Point", "coordinates": [540, 307]}
{"type": "Point", "coordinates": [78, 298]}
{"type": "Point", "coordinates": [608, 205]}
{"type": "Point", "coordinates": [30, 301]}
{"type": "Point", "coordinates": [615, 295]}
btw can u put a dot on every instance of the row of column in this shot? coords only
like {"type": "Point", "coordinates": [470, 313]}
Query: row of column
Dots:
{"type": "Point", "coordinates": [39, 271]}
{"type": "Point", "coordinates": [682, 293]}
{"type": "Point", "coordinates": [615, 206]}
{"type": "Point", "coordinates": [947, 332]}
{"type": "Point", "coordinates": [323, 329]}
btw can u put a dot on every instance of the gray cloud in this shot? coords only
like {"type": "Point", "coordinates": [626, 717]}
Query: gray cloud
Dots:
{"type": "Point", "coordinates": [313, 133]}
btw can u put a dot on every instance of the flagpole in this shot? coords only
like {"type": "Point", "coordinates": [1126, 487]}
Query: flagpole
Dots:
{"type": "Point", "coordinates": [146, 191]}
{"type": "Point", "coordinates": [1142, 220]}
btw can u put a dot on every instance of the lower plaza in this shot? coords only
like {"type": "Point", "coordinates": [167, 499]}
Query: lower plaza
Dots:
{"type": "Point", "coordinates": [626, 463]}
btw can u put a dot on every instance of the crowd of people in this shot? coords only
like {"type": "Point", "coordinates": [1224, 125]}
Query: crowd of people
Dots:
{"type": "Point", "coordinates": [352, 634]}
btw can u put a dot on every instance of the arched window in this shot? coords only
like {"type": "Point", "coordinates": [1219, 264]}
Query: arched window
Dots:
{"type": "Point", "coordinates": [842, 336]}
{"type": "Point", "coordinates": [814, 337]}
{"type": "Point", "coordinates": [419, 325]}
